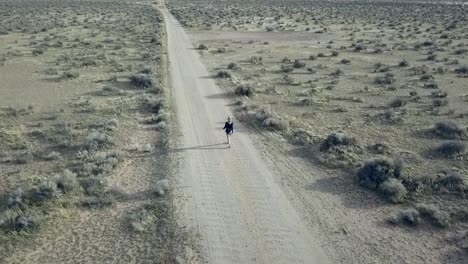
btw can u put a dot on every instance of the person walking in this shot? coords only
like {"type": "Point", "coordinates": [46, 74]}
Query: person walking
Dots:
{"type": "Point", "coordinates": [229, 129]}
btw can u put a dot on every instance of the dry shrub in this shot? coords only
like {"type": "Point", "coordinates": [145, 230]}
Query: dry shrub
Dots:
{"type": "Point", "coordinates": [449, 130]}
{"type": "Point", "coordinates": [244, 90]}
{"type": "Point", "coordinates": [142, 80]}
{"type": "Point", "coordinates": [223, 75]}
{"type": "Point", "coordinates": [393, 190]}
{"type": "Point", "coordinates": [450, 149]}
{"type": "Point", "coordinates": [337, 140]}
{"type": "Point", "coordinates": [376, 171]}
{"type": "Point", "coordinates": [410, 216]}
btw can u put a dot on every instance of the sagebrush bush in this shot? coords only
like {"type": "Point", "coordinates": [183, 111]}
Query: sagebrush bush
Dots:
{"type": "Point", "coordinates": [403, 63]}
{"type": "Point", "coordinates": [223, 74]}
{"type": "Point", "coordinates": [19, 198]}
{"type": "Point", "coordinates": [140, 219]}
{"type": "Point", "coordinates": [45, 191]}
{"type": "Point", "coordinates": [450, 149]}
{"type": "Point", "coordinates": [438, 217]}
{"type": "Point", "coordinates": [376, 171]}
{"type": "Point", "coordinates": [18, 220]}
{"type": "Point", "coordinates": [427, 209]}
{"type": "Point", "coordinates": [275, 124]}
{"type": "Point", "coordinates": [439, 94]}
{"type": "Point", "coordinates": [345, 61]}
{"type": "Point", "coordinates": [62, 135]}
{"type": "Point", "coordinates": [111, 91]}
{"type": "Point", "coordinates": [256, 60]}
{"type": "Point", "coordinates": [244, 90]}
{"type": "Point", "coordinates": [142, 80]}
{"type": "Point", "coordinates": [100, 164]}
{"type": "Point", "coordinates": [386, 79]}
{"type": "Point", "coordinates": [153, 104]}
{"type": "Point", "coordinates": [202, 47]}
{"type": "Point", "coordinates": [93, 186]}
{"type": "Point", "coordinates": [337, 140]}
{"type": "Point", "coordinates": [410, 216]}
{"type": "Point", "coordinates": [106, 124]}
{"type": "Point", "coordinates": [286, 68]}
{"type": "Point", "coordinates": [462, 70]}
{"type": "Point", "coordinates": [233, 66]}
{"type": "Point", "coordinates": [54, 155]}
{"type": "Point", "coordinates": [162, 186]}
{"type": "Point", "coordinates": [438, 102]}
{"type": "Point", "coordinates": [161, 117]}
{"type": "Point", "coordinates": [397, 102]}
{"type": "Point", "coordinates": [97, 140]}
{"type": "Point", "coordinates": [441, 219]}
{"type": "Point", "coordinates": [298, 64]}
{"type": "Point", "coordinates": [70, 75]}
{"type": "Point", "coordinates": [449, 130]}
{"type": "Point", "coordinates": [452, 181]}
{"type": "Point", "coordinates": [393, 190]}
{"type": "Point", "coordinates": [67, 181]}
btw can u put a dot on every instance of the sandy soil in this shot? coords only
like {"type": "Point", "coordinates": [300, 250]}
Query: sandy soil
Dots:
{"type": "Point", "coordinates": [129, 219]}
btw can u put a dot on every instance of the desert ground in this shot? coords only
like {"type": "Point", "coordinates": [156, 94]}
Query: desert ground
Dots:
{"type": "Point", "coordinates": [349, 146]}
{"type": "Point", "coordinates": [85, 129]}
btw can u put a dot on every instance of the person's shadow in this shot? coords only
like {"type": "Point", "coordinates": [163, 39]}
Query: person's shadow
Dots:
{"type": "Point", "coordinates": [212, 146]}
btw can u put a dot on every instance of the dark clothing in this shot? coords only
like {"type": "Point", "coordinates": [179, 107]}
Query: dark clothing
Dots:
{"type": "Point", "coordinates": [229, 127]}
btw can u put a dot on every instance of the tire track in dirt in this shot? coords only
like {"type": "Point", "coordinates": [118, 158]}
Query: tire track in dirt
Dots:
{"type": "Point", "coordinates": [233, 202]}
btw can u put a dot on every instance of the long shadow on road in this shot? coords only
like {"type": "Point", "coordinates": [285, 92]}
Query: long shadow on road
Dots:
{"type": "Point", "coordinates": [212, 146]}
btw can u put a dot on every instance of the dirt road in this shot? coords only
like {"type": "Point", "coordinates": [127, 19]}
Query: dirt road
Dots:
{"type": "Point", "coordinates": [232, 200]}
